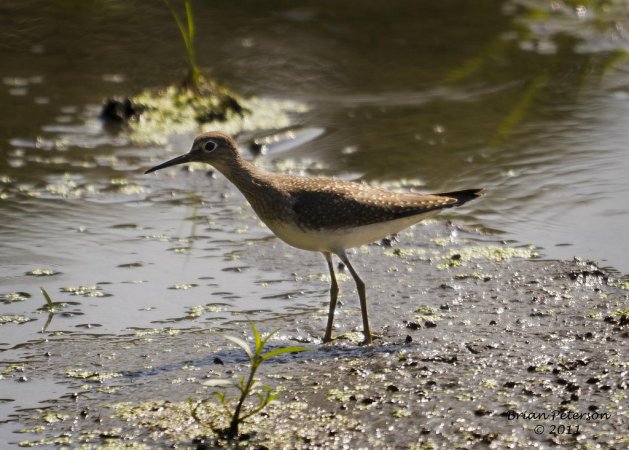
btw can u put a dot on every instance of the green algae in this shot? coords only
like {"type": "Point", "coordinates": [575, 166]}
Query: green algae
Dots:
{"type": "Point", "coordinates": [39, 272]}
{"type": "Point", "coordinates": [427, 313]}
{"type": "Point", "coordinates": [174, 110]}
{"type": "Point", "coordinates": [338, 395]}
{"type": "Point", "coordinates": [351, 336]}
{"type": "Point", "coordinates": [11, 370]}
{"type": "Point", "coordinates": [621, 312]}
{"type": "Point", "coordinates": [60, 440]}
{"type": "Point", "coordinates": [198, 310]}
{"type": "Point", "coordinates": [594, 315]}
{"type": "Point", "coordinates": [54, 416]}
{"type": "Point", "coordinates": [401, 412]}
{"type": "Point", "coordinates": [113, 444]}
{"type": "Point", "coordinates": [619, 283]}
{"type": "Point", "coordinates": [14, 318]}
{"type": "Point", "coordinates": [183, 286]}
{"type": "Point", "coordinates": [91, 376]}
{"type": "Point", "coordinates": [85, 291]}
{"type": "Point", "coordinates": [164, 421]}
{"type": "Point", "coordinates": [458, 256]}
{"type": "Point", "coordinates": [13, 297]}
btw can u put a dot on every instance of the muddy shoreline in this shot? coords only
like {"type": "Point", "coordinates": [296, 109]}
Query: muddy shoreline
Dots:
{"type": "Point", "coordinates": [478, 347]}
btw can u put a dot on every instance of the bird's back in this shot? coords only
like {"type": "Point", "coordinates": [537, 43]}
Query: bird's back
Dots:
{"type": "Point", "coordinates": [323, 203]}
{"type": "Point", "coordinates": [327, 214]}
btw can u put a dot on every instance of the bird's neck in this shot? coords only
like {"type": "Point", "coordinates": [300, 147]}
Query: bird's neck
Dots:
{"type": "Point", "coordinates": [245, 176]}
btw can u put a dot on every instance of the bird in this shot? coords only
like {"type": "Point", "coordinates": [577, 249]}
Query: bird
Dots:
{"type": "Point", "coordinates": [326, 215]}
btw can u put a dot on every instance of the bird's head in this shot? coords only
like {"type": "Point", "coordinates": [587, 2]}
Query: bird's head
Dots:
{"type": "Point", "coordinates": [215, 148]}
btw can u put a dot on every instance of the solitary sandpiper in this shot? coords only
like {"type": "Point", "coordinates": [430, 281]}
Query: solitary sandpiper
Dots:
{"type": "Point", "coordinates": [320, 214]}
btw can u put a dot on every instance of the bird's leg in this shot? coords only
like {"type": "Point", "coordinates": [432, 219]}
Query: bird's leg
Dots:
{"type": "Point", "coordinates": [360, 285]}
{"type": "Point", "coordinates": [334, 292]}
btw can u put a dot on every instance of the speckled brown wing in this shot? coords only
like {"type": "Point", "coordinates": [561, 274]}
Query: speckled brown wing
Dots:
{"type": "Point", "coordinates": [333, 204]}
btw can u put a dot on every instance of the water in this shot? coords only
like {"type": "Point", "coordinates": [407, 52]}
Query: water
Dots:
{"type": "Point", "coordinates": [527, 102]}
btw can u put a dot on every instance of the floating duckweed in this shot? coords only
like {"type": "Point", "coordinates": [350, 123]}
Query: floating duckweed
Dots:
{"type": "Point", "coordinates": [495, 253]}
{"type": "Point", "coordinates": [132, 189]}
{"type": "Point", "coordinates": [42, 273]}
{"type": "Point", "coordinates": [55, 441]}
{"type": "Point", "coordinates": [199, 310]}
{"type": "Point", "coordinates": [112, 443]}
{"type": "Point", "coordinates": [594, 315]}
{"type": "Point", "coordinates": [37, 429]}
{"type": "Point", "coordinates": [325, 277]}
{"type": "Point", "coordinates": [85, 291]}
{"type": "Point", "coordinates": [183, 287]}
{"type": "Point", "coordinates": [441, 242]}
{"type": "Point", "coordinates": [420, 253]}
{"type": "Point", "coordinates": [338, 395]}
{"type": "Point", "coordinates": [12, 297]}
{"type": "Point", "coordinates": [9, 370]}
{"type": "Point", "coordinates": [352, 336]}
{"type": "Point", "coordinates": [15, 318]}
{"type": "Point", "coordinates": [148, 332]}
{"type": "Point", "coordinates": [457, 256]}
{"type": "Point", "coordinates": [174, 110]}
{"type": "Point", "coordinates": [622, 284]}
{"type": "Point", "coordinates": [401, 413]}
{"type": "Point", "coordinates": [474, 276]}
{"type": "Point", "coordinates": [67, 187]}
{"type": "Point", "coordinates": [427, 313]}
{"type": "Point", "coordinates": [623, 313]}
{"type": "Point", "coordinates": [426, 310]}
{"type": "Point", "coordinates": [53, 417]}
{"type": "Point", "coordinates": [96, 377]}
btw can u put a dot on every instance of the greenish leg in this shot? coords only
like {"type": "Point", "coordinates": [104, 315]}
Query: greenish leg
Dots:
{"type": "Point", "coordinates": [334, 292]}
{"type": "Point", "coordinates": [360, 285]}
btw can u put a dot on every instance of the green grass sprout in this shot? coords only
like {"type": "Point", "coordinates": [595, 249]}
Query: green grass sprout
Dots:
{"type": "Point", "coordinates": [248, 385]}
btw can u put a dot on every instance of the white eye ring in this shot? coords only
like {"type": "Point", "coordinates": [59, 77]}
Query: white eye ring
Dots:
{"type": "Point", "coordinates": [209, 146]}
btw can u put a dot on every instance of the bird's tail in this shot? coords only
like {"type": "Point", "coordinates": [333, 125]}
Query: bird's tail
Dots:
{"type": "Point", "coordinates": [463, 196]}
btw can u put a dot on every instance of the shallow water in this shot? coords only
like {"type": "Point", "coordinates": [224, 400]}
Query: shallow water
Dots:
{"type": "Point", "coordinates": [527, 102]}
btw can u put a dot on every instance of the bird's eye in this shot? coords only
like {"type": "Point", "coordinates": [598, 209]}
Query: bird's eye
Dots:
{"type": "Point", "coordinates": [209, 146]}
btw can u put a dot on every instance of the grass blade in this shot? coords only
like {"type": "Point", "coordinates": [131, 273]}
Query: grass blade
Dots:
{"type": "Point", "coordinates": [256, 337]}
{"type": "Point", "coordinates": [47, 297]}
{"type": "Point", "coordinates": [280, 351]}
{"type": "Point", "coordinates": [190, 20]}
{"type": "Point", "coordinates": [242, 344]}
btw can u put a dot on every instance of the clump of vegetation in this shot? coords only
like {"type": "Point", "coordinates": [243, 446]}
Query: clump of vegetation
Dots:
{"type": "Point", "coordinates": [246, 386]}
{"type": "Point", "coordinates": [207, 100]}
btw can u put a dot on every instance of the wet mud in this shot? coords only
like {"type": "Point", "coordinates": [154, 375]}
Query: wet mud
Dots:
{"type": "Point", "coordinates": [481, 344]}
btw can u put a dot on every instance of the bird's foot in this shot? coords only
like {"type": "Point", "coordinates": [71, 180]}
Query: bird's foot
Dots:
{"type": "Point", "coordinates": [353, 337]}
{"type": "Point", "coordinates": [369, 338]}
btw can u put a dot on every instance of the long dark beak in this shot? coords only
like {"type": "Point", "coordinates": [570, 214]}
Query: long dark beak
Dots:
{"type": "Point", "coordinates": [172, 162]}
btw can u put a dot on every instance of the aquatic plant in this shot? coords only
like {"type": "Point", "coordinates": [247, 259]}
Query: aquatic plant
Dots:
{"type": "Point", "coordinates": [246, 385]}
{"type": "Point", "coordinates": [50, 305]}
{"type": "Point", "coordinates": [187, 32]}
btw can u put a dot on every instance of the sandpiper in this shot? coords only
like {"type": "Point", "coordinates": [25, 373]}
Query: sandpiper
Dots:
{"type": "Point", "coordinates": [320, 214]}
